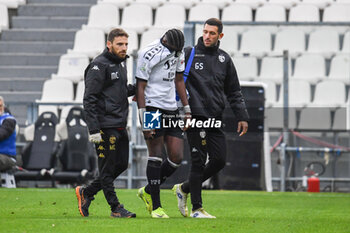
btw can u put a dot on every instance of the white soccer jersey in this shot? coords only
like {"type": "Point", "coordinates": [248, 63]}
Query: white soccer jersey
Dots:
{"type": "Point", "coordinates": [158, 67]}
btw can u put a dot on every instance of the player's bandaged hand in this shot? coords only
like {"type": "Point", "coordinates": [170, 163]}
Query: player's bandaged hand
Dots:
{"type": "Point", "coordinates": [188, 117]}
{"type": "Point", "coordinates": [95, 138]}
{"type": "Point", "coordinates": [141, 113]}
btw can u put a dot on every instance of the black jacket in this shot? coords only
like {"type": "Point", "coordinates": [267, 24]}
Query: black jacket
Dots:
{"type": "Point", "coordinates": [213, 78]}
{"type": "Point", "coordinates": [105, 98]}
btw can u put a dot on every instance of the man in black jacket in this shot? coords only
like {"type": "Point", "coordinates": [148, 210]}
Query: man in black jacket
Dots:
{"type": "Point", "coordinates": [212, 78]}
{"type": "Point", "coordinates": [106, 110]}
{"type": "Point", "coordinates": [7, 138]}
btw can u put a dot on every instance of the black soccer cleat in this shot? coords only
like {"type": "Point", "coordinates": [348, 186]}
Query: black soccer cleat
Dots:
{"type": "Point", "coordinates": [120, 212]}
{"type": "Point", "coordinates": [83, 201]}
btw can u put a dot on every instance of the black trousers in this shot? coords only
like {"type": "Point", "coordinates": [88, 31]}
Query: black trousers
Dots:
{"type": "Point", "coordinates": [113, 157]}
{"type": "Point", "coordinates": [204, 143]}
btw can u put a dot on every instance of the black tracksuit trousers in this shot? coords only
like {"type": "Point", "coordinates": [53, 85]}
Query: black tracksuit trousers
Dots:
{"type": "Point", "coordinates": [204, 142]}
{"type": "Point", "coordinates": [113, 156]}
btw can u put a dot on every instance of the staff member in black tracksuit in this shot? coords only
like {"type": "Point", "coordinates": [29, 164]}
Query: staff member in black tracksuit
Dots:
{"type": "Point", "coordinates": [212, 78]}
{"type": "Point", "coordinates": [106, 110]}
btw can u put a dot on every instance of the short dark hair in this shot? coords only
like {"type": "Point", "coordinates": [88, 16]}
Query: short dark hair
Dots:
{"type": "Point", "coordinates": [116, 33]}
{"type": "Point", "coordinates": [215, 22]}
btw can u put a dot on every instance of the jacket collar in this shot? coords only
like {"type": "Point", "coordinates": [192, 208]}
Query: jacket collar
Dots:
{"type": "Point", "coordinates": [202, 47]}
{"type": "Point", "coordinates": [114, 58]}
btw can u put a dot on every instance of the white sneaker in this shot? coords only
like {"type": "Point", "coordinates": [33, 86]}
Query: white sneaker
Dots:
{"type": "Point", "coordinates": [201, 213]}
{"type": "Point", "coordinates": [181, 199]}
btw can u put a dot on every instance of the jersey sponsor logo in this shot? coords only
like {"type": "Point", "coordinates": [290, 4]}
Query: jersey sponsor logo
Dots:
{"type": "Point", "coordinates": [95, 67]}
{"type": "Point", "coordinates": [169, 63]}
{"type": "Point", "coordinates": [221, 58]}
{"type": "Point", "coordinates": [152, 52]}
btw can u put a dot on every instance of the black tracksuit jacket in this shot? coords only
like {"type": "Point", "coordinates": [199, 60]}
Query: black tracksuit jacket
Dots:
{"type": "Point", "coordinates": [213, 78]}
{"type": "Point", "coordinates": [106, 92]}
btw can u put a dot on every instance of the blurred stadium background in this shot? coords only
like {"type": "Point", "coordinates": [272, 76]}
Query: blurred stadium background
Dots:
{"type": "Point", "coordinates": [298, 101]}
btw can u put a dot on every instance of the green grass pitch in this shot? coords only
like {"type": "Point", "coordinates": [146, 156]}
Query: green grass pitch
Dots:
{"type": "Point", "coordinates": [55, 210]}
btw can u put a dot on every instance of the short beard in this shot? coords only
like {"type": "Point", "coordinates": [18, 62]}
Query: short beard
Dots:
{"type": "Point", "coordinates": [116, 54]}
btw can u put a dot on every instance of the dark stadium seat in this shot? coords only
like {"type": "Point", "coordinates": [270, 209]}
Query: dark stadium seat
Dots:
{"type": "Point", "coordinates": [39, 155]}
{"type": "Point", "coordinates": [76, 153]}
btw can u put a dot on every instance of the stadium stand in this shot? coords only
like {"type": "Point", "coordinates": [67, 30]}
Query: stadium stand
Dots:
{"type": "Point", "coordinates": [330, 93]}
{"type": "Point", "coordinates": [39, 154]}
{"type": "Point", "coordinates": [238, 13]}
{"type": "Point", "coordinates": [270, 93]}
{"type": "Point", "coordinates": [340, 68]}
{"type": "Point", "coordinates": [274, 118]}
{"type": "Point", "coordinates": [310, 67]}
{"type": "Point", "coordinates": [339, 122]}
{"type": "Point", "coordinates": [247, 67]}
{"type": "Point", "coordinates": [219, 3]}
{"type": "Point", "coordinates": [88, 41]}
{"type": "Point", "coordinates": [33, 49]}
{"type": "Point", "coordinates": [271, 69]}
{"type": "Point", "coordinates": [285, 3]}
{"type": "Point", "coordinates": [346, 43]}
{"type": "Point", "coordinates": [319, 3]}
{"type": "Point", "coordinates": [291, 39]}
{"type": "Point", "coordinates": [76, 153]}
{"type": "Point", "coordinates": [103, 16]}
{"type": "Point", "coordinates": [202, 12]}
{"type": "Point", "coordinates": [299, 94]}
{"type": "Point", "coordinates": [133, 41]}
{"type": "Point", "coordinates": [308, 115]}
{"type": "Point", "coordinates": [117, 3]}
{"type": "Point", "coordinates": [271, 13]}
{"type": "Point", "coordinates": [151, 35]}
{"type": "Point", "coordinates": [170, 16]}
{"type": "Point", "coordinates": [304, 13]}
{"type": "Point", "coordinates": [56, 90]}
{"type": "Point", "coordinates": [13, 4]}
{"type": "Point", "coordinates": [337, 13]}
{"type": "Point", "coordinates": [152, 3]}
{"type": "Point", "coordinates": [252, 3]}
{"type": "Point", "coordinates": [4, 17]}
{"type": "Point", "coordinates": [229, 42]}
{"type": "Point", "coordinates": [79, 94]}
{"type": "Point", "coordinates": [71, 66]}
{"type": "Point", "coordinates": [186, 3]}
{"type": "Point", "coordinates": [251, 46]}
{"type": "Point", "coordinates": [142, 22]}
{"type": "Point", "coordinates": [324, 41]}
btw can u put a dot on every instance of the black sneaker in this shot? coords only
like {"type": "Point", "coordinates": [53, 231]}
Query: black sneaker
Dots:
{"type": "Point", "coordinates": [120, 212]}
{"type": "Point", "coordinates": [83, 201]}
